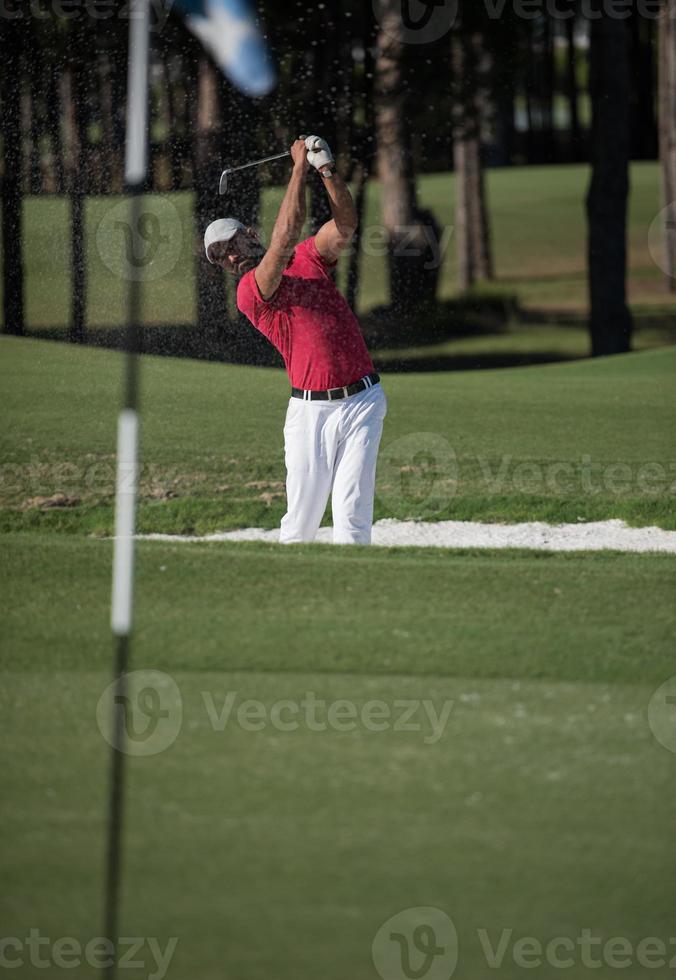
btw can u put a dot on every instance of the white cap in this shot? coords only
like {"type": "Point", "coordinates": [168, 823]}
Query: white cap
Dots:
{"type": "Point", "coordinates": [221, 230]}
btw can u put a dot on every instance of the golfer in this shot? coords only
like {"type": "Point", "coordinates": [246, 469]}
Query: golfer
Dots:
{"type": "Point", "coordinates": [335, 416]}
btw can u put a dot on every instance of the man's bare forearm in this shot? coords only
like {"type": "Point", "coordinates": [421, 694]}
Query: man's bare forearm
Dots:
{"type": "Point", "coordinates": [291, 217]}
{"type": "Point", "coordinates": [343, 210]}
{"type": "Point", "coordinates": [288, 226]}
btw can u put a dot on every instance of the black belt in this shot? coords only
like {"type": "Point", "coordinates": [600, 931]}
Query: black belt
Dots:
{"type": "Point", "coordinates": [334, 393]}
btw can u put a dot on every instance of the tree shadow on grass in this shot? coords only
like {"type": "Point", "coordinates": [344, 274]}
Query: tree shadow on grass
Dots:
{"type": "Point", "coordinates": [236, 342]}
{"type": "Point", "coordinates": [664, 320]}
{"type": "Point", "coordinates": [233, 344]}
{"type": "Point", "coordinates": [385, 328]}
{"type": "Point", "coordinates": [469, 362]}
{"type": "Point", "coordinates": [184, 341]}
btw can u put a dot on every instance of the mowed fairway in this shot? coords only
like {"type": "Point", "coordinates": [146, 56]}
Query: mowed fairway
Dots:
{"type": "Point", "coordinates": [529, 797]}
{"type": "Point", "coordinates": [581, 441]}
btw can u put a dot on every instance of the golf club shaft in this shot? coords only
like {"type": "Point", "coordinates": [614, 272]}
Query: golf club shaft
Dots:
{"type": "Point", "coordinates": [257, 163]}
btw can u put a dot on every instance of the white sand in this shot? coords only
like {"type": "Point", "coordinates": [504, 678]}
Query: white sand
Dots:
{"type": "Point", "coordinates": [599, 536]}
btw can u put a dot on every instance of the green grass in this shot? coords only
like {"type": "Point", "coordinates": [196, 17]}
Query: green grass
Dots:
{"type": "Point", "coordinates": [579, 441]}
{"type": "Point", "coordinates": [468, 612]}
{"type": "Point", "coordinates": [539, 230]}
{"type": "Point", "coordinates": [538, 223]}
{"type": "Point", "coordinates": [544, 806]}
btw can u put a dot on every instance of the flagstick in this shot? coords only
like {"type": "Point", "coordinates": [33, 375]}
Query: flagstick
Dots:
{"type": "Point", "coordinates": [127, 468]}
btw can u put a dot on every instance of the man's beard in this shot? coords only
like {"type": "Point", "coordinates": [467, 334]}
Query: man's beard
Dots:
{"type": "Point", "coordinates": [248, 262]}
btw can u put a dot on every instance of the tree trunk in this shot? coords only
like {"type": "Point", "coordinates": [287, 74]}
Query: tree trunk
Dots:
{"type": "Point", "coordinates": [572, 92]}
{"type": "Point", "coordinates": [470, 95]}
{"type": "Point", "coordinates": [54, 125]}
{"type": "Point", "coordinates": [77, 333]}
{"type": "Point", "coordinates": [25, 126]}
{"type": "Point", "coordinates": [481, 234]}
{"type": "Point", "coordinates": [362, 172]}
{"type": "Point", "coordinates": [35, 84]}
{"type": "Point", "coordinates": [667, 133]}
{"type": "Point", "coordinates": [463, 221]}
{"type": "Point", "coordinates": [322, 116]}
{"type": "Point", "coordinates": [239, 143]}
{"type": "Point", "coordinates": [78, 185]}
{"type": "Point", "coordinates": [107, 133]}
{"type": "Point", "coordinates": [359, 184]}
{"type": "Point", "coordinates": [505, 73]}
{"type": "Point", "coordinates": [643, 121]}
{"type": "Point", "coordinates": [548, 85]}
{"type": "Point", "coordinates": [173, 124]}
{"type": "Point", "coordinates": [118, 91]}
{"type": "Point", "coordinates": [607, 199]}
{"type": "Point", "coordinates": [12, 228]}
{"type": "Point", "coordinates": [529, 62]}
{"type": "Point", "coordinates": [212, 313]}
{"type": "Point", "coordinates": [412, 235]}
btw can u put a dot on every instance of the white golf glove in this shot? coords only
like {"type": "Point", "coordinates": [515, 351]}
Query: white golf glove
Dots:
{"type": "Point", "coordinates": [319, 155]}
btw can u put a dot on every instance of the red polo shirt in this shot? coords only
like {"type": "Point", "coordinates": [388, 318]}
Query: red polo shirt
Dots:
{"type": "Point", "coordinates": [309, 322]}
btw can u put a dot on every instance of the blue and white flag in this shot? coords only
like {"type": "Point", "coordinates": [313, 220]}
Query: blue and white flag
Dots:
{"type": "Point", "coordinates": [227, 29]}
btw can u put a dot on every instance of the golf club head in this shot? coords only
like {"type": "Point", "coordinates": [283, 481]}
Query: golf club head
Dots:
{"type": "Point", "coordinates": [223, 184]}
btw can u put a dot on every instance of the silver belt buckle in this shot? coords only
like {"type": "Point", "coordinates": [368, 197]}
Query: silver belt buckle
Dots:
{"type": "Point", "coordinates": [345, 392]}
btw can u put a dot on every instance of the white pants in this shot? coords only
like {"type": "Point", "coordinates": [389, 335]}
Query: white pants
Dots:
{"type": "Point", "coordinates": [332, 448]}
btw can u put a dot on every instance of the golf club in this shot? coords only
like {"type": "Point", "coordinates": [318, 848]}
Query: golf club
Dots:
{"type": "Point", "coordinates": [223, 185]}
